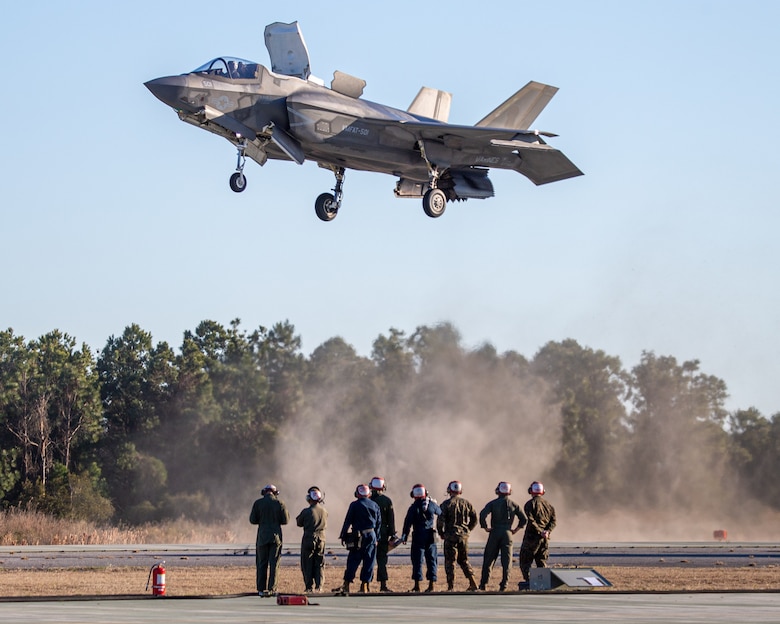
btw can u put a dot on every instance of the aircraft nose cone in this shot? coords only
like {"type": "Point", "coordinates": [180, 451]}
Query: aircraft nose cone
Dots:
{"type": "Point", "coordinates": [168, 90]}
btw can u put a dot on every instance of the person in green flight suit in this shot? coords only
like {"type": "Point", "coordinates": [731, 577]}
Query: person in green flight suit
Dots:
{"type": "Point", "coordinates": [456, 521]}
{"type": "Point", "coordinates": [314, 520]}
{"type": "Point", "coordinates": [269, 514]}
{"type": "Point", "coordinates": [536, 539]}
{"type": "Point", "coordinates": [502, 512]}
{"type": "Point", "coordinates": [386, 531]}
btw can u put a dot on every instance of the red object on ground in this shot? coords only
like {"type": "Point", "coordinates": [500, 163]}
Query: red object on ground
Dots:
{"type": "Point", "coordinates": [291, 599]}
{"type": "Point", "coordinates": [158, 579]}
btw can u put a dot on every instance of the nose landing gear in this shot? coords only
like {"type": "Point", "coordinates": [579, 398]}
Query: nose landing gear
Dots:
{"type": "Point", "coordinates": [238, 180]}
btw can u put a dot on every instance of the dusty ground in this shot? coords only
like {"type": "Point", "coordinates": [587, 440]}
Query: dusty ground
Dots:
{"type": "Point", "coordinates": [201, 581]}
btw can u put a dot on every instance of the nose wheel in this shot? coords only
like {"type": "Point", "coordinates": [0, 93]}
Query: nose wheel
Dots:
{"type": "Point", "coordinates": [238, 179]}
{"type": "Point", "coordinates": [237, 182]}
{"type": "Point", "coordinates": [327, 205]}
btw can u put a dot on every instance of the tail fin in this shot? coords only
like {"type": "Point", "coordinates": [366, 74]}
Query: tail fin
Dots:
{"type": "Point", "coordinates": [432, 103]}
{"type": "Point", "coordinates": [520, 110]}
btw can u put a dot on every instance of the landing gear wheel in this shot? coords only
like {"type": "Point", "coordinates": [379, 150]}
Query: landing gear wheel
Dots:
{"type": "Point", "coordinates": [237, 182]}
{"type": "Point", "coordinates": [434, 203]}
{"type": "Point", "coordinates": [326, 207]}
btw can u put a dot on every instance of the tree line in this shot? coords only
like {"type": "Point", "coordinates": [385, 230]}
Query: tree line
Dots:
{"type": "Point", "coordinates": [139, 432]}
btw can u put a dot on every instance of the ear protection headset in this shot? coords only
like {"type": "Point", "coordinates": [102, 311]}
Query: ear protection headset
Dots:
{"type": "Point", "coordinates": [504, 488]}
{"type": "Point", "coordinates": [362, 491]}
{"type": "Point", "coordinates": [418, 491]}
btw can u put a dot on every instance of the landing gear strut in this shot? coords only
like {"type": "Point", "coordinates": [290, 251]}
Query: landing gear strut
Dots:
{"type": "Point", "coordinates": [435, 200]}
{"type": "Point", "coordinates": [238, 180]}
{"type": "Point", "coordinates": [327, 205]}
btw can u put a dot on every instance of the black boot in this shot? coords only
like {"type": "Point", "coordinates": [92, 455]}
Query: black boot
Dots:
{"type": "Point", "coordinates": [343, 590]}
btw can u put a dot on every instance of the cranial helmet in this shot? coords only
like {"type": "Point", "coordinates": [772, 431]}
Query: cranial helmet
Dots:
{"type": "Point", "coordinates": [378, 484]}
{"type": "Point", "coordinates": [272, 489]}
{"type": "Point", "coordinates": [362, 491]}
{"type": "Point", "coordinates": [315, 495]}
{"type": "Point", "coordinates": [536, 489]}
{"type": "Point", "coordinates": [455, 487]}
{"type": "Point", "coordinates": [504, 488]}
{"type": "Point", "coordinates": [418, 491]}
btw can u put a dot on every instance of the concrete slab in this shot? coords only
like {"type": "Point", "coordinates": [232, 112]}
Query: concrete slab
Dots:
{"type": "Point", "coordinates": [704, 608]}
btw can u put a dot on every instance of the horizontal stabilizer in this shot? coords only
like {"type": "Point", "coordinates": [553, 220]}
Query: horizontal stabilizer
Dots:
{"type": "Point", "coordinates": [520, 110]}
{"type": "Point", "coordinates": [432, 103]}
{"type": "Point", "coordinates": [542, 164]}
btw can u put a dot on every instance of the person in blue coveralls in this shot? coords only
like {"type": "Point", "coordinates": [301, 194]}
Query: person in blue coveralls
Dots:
{"type": "Point", "coordinates": [421, 520]}
{"type": "Point", "coordinates": [364, 518]}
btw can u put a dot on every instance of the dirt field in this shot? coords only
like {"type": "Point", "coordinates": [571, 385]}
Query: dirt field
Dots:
{"type": "Point", "coordinates": [214, 581]}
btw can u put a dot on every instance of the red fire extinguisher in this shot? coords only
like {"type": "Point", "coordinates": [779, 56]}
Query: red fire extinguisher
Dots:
{"type": "Point", "coordinates": [157, 578]}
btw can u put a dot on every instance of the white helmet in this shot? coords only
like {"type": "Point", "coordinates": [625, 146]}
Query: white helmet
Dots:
{"type": "Point", "coordinates": [455, 487]}
{"type": "Point", "coordinates": [378, 483]}
{"type": "Point", "coordinates": [269, 489]}
{"type": "Point", "coordinates": [504, 488]}
{"type": "Point", "coordinates": [362, 491]}
{"type": "Point", "coordinates": [536, 489]}
{"type": "Point", "coordinates": [315, 495]}
{"type": "Point", "coordinates": [418, 491]}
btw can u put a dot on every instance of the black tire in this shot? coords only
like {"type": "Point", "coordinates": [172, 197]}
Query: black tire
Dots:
{"type": "Point", "coordinates": [326, 207]}
{"type": "Point", "coordinates": [238, 182]}
{"type": "Point", "coordinates": [434, 203]}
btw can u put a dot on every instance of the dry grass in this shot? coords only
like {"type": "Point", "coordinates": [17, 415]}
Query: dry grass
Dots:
{"type": "Point", "coordinates": [216, 581]}
{"type": "Point", "coordinates": [29, 528]}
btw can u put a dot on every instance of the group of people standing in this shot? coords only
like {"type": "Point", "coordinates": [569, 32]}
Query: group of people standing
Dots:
{"type": "Point", "coordinates": [369, 533]}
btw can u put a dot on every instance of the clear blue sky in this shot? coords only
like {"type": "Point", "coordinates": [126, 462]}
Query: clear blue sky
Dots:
{"type": "Point", "coordinates": [115, 212]}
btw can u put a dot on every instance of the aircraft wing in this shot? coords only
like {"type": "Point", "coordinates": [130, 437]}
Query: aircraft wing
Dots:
{"type": "Point", "coordinates": [537, 161]}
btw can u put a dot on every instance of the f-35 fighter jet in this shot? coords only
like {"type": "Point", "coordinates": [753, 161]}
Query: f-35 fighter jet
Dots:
{"type": "Point", "coordinates": [286, 113]}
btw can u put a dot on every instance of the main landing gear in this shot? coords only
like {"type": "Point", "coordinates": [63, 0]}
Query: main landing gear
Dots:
{"type": "Point", "coordinates": [435, 200]}
{"type": "Point", "coordinates": [238, 180]}
{"type": "Point", "coordinates": [327, 205]}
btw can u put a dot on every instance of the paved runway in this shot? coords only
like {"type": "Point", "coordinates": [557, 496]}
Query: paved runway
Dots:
{"type": "Point", "coordinates": [701, 554]}
{"type": "Point", "coordinates": [560, 608]}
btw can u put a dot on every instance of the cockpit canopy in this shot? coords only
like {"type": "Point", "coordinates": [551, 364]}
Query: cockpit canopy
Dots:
{"type": "Point", "coordinates": [229, 67]}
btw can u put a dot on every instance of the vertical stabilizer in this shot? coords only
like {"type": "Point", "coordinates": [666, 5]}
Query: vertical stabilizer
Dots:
{"type": "Point", "coordinates": [432, 103]}
{"type": "Point", "coordinates": [520, 110]}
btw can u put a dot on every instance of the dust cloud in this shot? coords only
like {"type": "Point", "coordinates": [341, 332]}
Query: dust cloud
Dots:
{"type": "Point", "coordinates": [672, 487]}
{"type": "Point", "coordinates": [490, 435]}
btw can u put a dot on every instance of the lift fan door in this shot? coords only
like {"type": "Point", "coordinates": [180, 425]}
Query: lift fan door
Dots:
{"type": "Point", "coordinates": [287, 50]}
